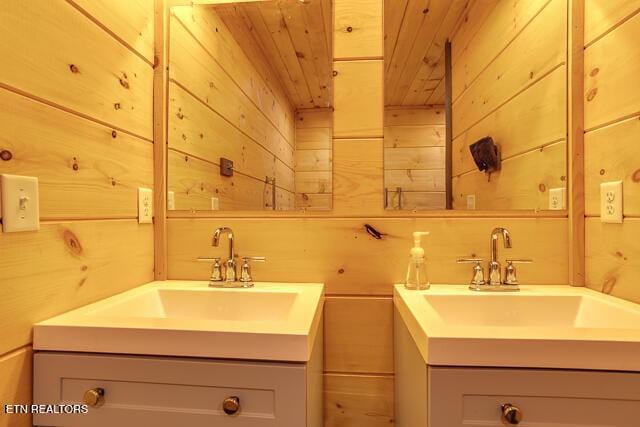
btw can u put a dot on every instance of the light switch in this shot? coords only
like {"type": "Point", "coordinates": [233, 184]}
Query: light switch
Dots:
{"type": "Point", "coordinates": [557, 199]}
{"type": "Point", "coordinates": [215, 204]}
{"type": "Point", "coordinates": [20, 203]}
{"type": "Point", "coordinates": [145, 205]}
{"type": "Point", "coordinates": [471, 202]}
{"type": "Point", "coordinates": [171, 200]}
{"type": "Point", "coordinates": [611, 202]}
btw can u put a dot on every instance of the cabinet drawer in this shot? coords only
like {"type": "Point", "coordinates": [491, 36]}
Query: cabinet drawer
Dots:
{"type": "Point", "coordinates": [472, 397]}
{"type": "Point", "coordinates": [169, 391]}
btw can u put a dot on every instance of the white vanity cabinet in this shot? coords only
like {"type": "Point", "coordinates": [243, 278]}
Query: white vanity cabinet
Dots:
{"type": "Point", "coordinates": [141, 390]}
{"type": "Point", "coordinates": [451, 396]}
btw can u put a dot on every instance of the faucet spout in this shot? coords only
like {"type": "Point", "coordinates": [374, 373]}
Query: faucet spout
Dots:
{"type": "Point", "coordinates": [216, 239]}
{"type": "Point", "coordinates": [495, 274]}
{"type": "Point", "coordinates": [506, 237]}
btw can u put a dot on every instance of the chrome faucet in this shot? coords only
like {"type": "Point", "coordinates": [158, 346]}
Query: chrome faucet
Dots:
{"type": "Point", "coordinates": [495, 273]}
{"type": "Point", "coordinates": [229, 278]}
{"type": "Point", "coordinates": [230, 264]}
{"type": "Point", "coordinates": [495, 282]}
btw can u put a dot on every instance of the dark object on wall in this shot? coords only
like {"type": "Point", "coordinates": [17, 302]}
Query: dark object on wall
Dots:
{"type": "Point", "coordinates": [373, 232]}
{"type": "Point", "coordinates": [485, 154]}
{"type": "Point", "coordinates": [226, 167]}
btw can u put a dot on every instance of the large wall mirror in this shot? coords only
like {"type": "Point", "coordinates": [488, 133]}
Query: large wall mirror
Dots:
{"type": "Point", "coordinates": [501, 66]}
{"type": "Point", "coordinates": [250, 106]}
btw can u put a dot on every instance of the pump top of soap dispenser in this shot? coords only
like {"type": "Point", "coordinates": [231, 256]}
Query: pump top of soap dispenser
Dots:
{"type": "Point", "coordinates": [417, 270]}
{"type": "Point", "coordinates": [417, 251]}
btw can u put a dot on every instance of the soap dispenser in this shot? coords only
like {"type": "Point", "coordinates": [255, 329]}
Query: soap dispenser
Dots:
{"type": "Point", "coordinates": [417, 271]}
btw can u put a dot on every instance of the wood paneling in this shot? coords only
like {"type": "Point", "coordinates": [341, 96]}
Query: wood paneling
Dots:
{"type": "Point", "coordinates": [357, 30]}
{"type": "Point", "coordinates": [612, 153]}
{"type": "Point", "coordinates": [603, 16]}
{"type": "Point", "coordinates": [358, 103]}
{"type": "Point", "coordinates": [131, 21]}
{"type": "Point", "coordinates": [611, 67]}
{"type": "Point", "coordinates": [114, 87]}
{"type": "Point", "coordinates": [416, 65]}
{"type": "Point", "coordinates": [15, 388]}
{"type": "Point", "coordinates": [295, 41]}
{"type": "Point", "coordinates": [358, 400]}
{"type": "Point", "coordinates": [340, 253]}
{"type": "Point", "coordinates": [612, 103]}
{"type": "Point", "coordinates": [613, 258]}
{"type": "Point", "coordinates": [533, 53]}
{"type": "Point", "coordinates": [198, 70]}
{"type": "Point", "coordinates": [215, 111]}
{"type": "Point", "coordinates": [357, 176]}
{"type": "Point", "coordinates": [66, 265]}
{"type": "Point", "coordinates": [510, 83]}
{"type": "Point", "coordinates": [358, 335]}
{"type": "Point", "coordinates": [314, 153]}
{"type": "Point", "coordinates": [526, 122]}
{"type": "Point", "coordinates": [76, 112]}
{"type": "Point", "coordinates": [491, 27]}
{"type": "Point", "coordinates": [414, 158]}
{"type": "Point", "coordinates": [85, 169]}
{"type": "Point", "coordinates": [523, 181]}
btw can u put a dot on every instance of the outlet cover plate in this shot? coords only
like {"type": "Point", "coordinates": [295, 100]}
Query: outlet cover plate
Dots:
{"type": "Point", "coordinates": [557, 199]}
{"type": "Point", "coordinates": [145, 205]}
{"type": "Point", "coordinates": [20, 203]}
{"type": "Point", "coordinates": [611, 202]}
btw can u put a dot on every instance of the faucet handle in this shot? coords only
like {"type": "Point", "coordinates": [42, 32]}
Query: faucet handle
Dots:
{"type": "Point", "coordinates": [216, 268]}
{"type": "Point", "coordinates": [468, 260]}
{"type": "Point", "coordinates": [245, 269]}
{"type": "Point", "coordinates": [478, 273]}
{"type": "Point", "coordinates": [510, 277]}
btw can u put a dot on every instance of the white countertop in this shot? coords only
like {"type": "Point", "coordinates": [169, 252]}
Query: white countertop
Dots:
{"type": "Point", "coordinates": [271, 321]}
{"type": "Point", "coordinates": [538, 327]}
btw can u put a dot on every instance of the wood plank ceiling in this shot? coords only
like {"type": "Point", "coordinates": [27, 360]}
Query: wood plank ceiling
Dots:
{"type": "Point", "coordinates": [415, 36]}
{"type": "Point", "coordinates": [293, 40]}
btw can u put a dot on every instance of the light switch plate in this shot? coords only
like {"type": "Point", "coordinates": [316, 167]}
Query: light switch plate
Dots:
{"type": "Point", "coordinates": [171, 200]}
{"type": "Point", "coordinates": [611, 202]}
{"type": "Point", "coordinates": [145, 205]}
{"type": "Point", "coordinates": [471, 202]}
{"type": "Point", "coordinates": [557, 199]}
{"type": "Point", "coordinates": [20, 203]}
{"type": "Point", "coordinates": [215, 204]}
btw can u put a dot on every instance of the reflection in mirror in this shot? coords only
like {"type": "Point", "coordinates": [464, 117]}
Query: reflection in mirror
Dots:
{"type": "Point", "coordinates": [501, 67]}
{"type": "Point", "coordinates": [250, 101]}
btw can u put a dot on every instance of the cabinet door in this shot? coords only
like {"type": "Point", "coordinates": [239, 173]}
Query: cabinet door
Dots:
{"type": "Point", "coordinates": [150, 391]}
{"type": "Point", "coordinates": [473, 397]}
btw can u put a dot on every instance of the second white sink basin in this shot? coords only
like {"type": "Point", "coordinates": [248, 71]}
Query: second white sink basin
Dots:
{"type": "Point", "coordinates": [531, 310]}
{"type": "Point", "coordinates": [271, 321]}
{"type": "Point", "coordinates": [538, 327]}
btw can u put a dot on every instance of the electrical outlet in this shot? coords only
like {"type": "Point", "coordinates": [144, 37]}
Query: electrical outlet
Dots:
{"type": "Point", "coordinates": [171, 200]}
{"type": "Point", "coordinates": [215, 204]}
{"type": "Point", "coordinates": [145, 205]}
{"type": "Point", "coordinates": [557, 199]}
{"type": "Point", "coordinates": [471, 202]}
{"type": "Point", "coordinates": [20, 203]}
{"type": "Point", "coordinates": [611, 202]}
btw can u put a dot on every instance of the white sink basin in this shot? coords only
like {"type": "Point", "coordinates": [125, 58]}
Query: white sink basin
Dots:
{"type": "Point", "coordinates": [538, 327]}
{"type": "Point", "coordinates": [271, 321]}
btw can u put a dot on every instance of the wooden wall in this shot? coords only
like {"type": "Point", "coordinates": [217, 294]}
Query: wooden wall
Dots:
{"type": "Point", "coordinates": [314, 156]}
{"type": "Point", "coordinates": [220, 105]}
{"type": "Point", "coordinates": [414, 157]}
{"type": "Point", "coordinates": [612, 150]}
{"type": "Point", "coordinates": [76, 112]}
{"type": "Point", "coordinates": [509, 81]}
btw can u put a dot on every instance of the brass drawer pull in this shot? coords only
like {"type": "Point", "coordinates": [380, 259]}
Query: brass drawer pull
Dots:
{"type": "Point", "coordinates": [511, 414]}
{"type": "Point", "coordinates": [231, 405]}
{"type": "Point", "coordinates": [94, 397]}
